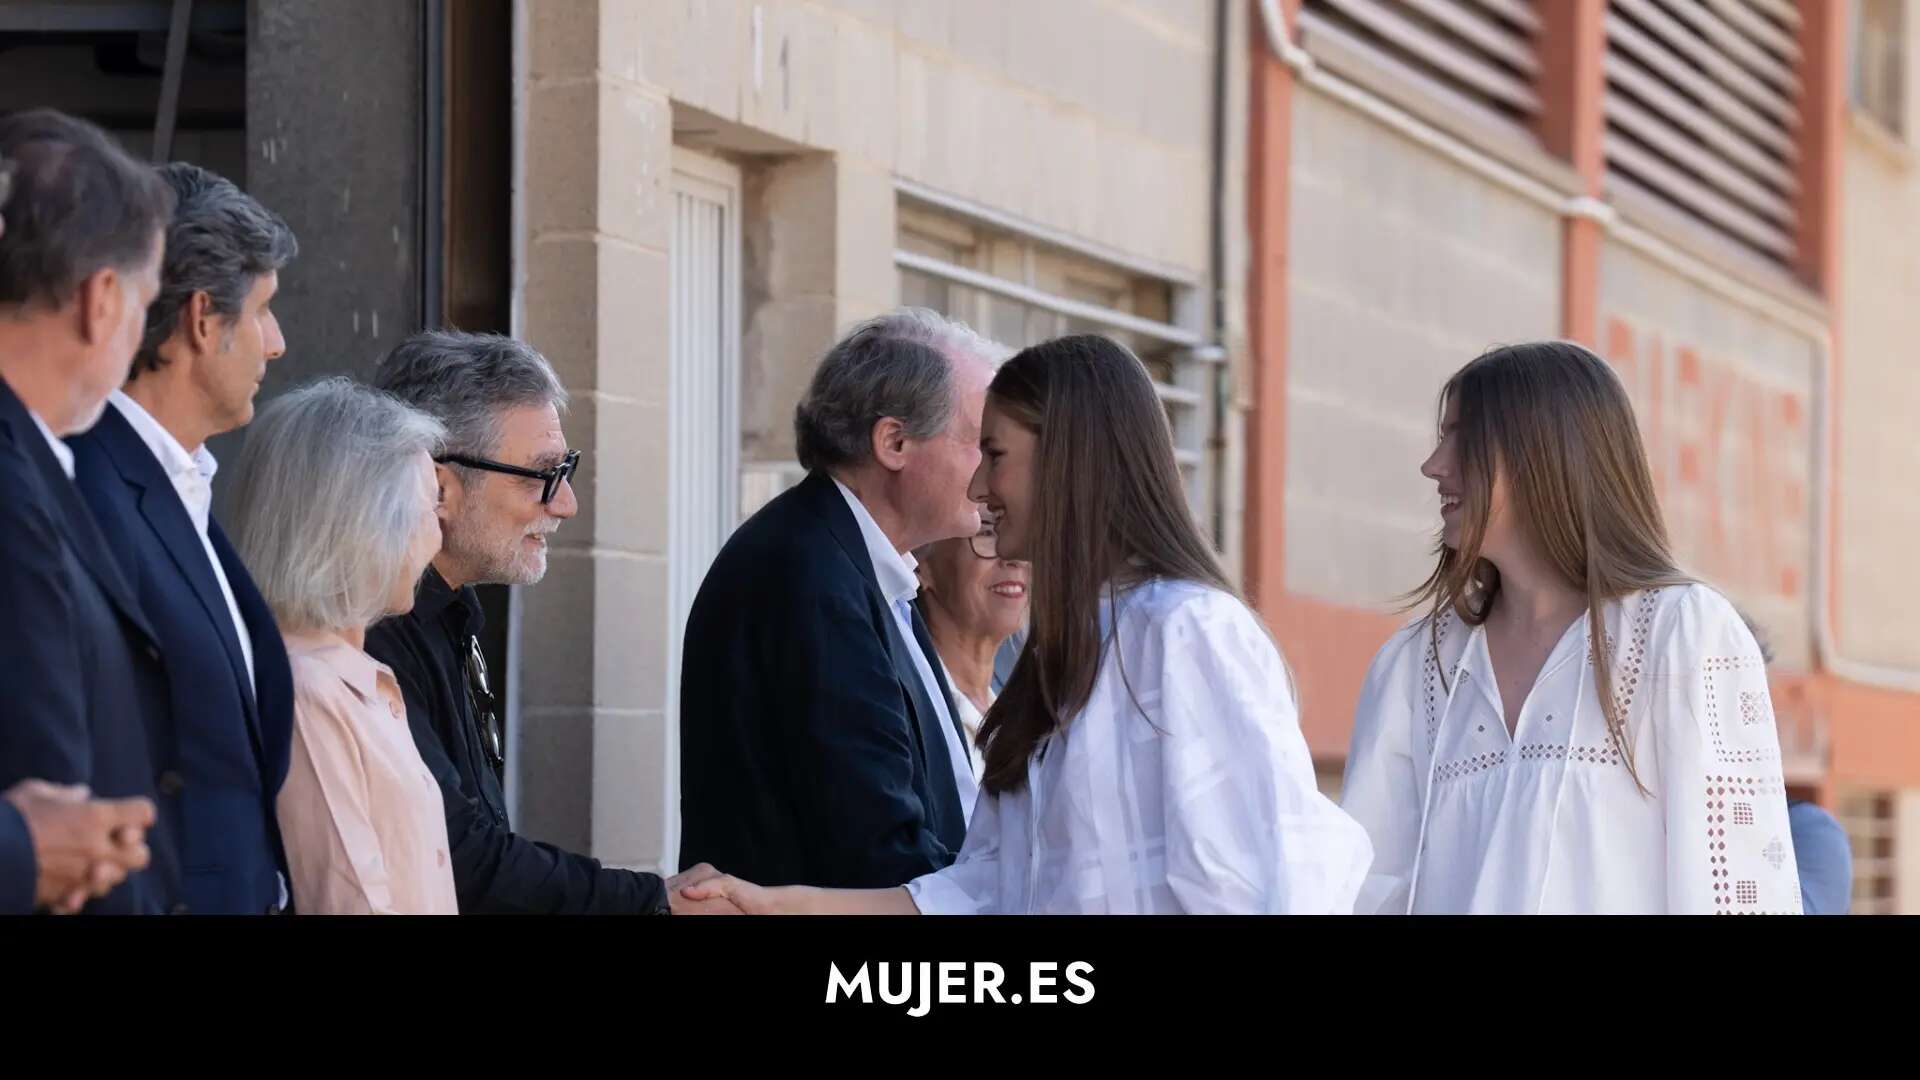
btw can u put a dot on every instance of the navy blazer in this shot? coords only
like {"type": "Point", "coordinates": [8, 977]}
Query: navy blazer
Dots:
{"type": "Point", "coordinates": [810, 751]}
{"type": "Point", "coordinates": [227, 739]}
{"type": "Point", "coordinates": [83, 689]}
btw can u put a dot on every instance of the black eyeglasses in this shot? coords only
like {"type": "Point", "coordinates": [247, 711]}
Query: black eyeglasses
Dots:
{"type": "Point", "coordinates": [551, 477]}
{"type": "Point", "coordinates": [485, 713]}
{"type": "Point", "coordinates": [985, 543]}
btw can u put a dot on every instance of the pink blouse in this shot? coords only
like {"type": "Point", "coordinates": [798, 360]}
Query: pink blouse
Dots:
{"type": "Point", "coordinates": [362, 818]}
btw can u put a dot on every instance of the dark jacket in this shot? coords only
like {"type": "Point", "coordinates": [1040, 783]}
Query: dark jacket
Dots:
{"type": "Point", "coordinates": [84, 689]}
{"type": "Point", "coordinates": [494, 870]}
{"type": "Point", "coordinates": [810, 751]}
{"type": "Point", "coordinates": [226, 736]}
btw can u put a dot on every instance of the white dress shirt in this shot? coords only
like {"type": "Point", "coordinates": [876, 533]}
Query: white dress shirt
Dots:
{"type": "Point", "coordinates": [192, 477]}
{"type": "Point", "coordinates": [970, 720]}
{"type": "Point", "coordinates": [1468, 819]}
{"type": "Point", "coordinates": [61, 452]}
{"type": "Point", "coordinates": [1182, 787]}
{"type": "Point", "coordinates": [894, 570]}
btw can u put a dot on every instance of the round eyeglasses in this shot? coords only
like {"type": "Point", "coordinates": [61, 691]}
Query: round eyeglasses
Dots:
{"type": "Point", "coordinates": [985, 543]}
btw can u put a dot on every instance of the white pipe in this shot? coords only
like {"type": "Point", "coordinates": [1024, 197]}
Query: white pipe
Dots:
{"type": "Point", "coordinates": [1280, 37]}
{"type": "Point", "coordinates": [1685, 264]}
{"type": "Point", "coordinates": [1825, 636]}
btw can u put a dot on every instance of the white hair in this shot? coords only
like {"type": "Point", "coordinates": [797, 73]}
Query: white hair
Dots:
{"type": "Point", "coordinates": [329, 498]}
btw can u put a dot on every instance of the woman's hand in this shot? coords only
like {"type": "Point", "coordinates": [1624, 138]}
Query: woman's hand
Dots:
{"type": "Point", "coordinates": [681, 904]}
{"type": "Point", "coordinates": [748, 897]}
{"type": "Point", "coordinates": [799, 899]}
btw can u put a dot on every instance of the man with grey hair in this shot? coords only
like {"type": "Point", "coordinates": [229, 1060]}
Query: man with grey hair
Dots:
{"type": "Point", "coordinates": [818, 739]}
{"type": "Point", "coordinates": [505, 485]}
{"type": "Point", "coordinates": [79, 262]}
{"type": "Point", "coordinates": [147, 474]}
{"type": "Point", "coordinates": [56, 846]}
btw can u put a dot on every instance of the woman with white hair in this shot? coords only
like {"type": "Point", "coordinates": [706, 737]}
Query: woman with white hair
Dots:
{"type": "Point", "coordinates": [338, 498]}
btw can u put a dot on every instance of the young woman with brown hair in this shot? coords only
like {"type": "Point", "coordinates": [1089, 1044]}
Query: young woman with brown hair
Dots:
{"type": "Point", "coordinates": [1574, 725]}
{"type": "Point", "coordinates": [1146, 756]}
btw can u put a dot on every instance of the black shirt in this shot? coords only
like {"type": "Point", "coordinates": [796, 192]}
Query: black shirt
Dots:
{"type": "Point", "coordinates": [494, 871]}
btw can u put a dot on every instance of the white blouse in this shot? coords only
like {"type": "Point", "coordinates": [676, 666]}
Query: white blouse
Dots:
{"type": "Point", "coordinates": [1465, 819]}
{"type": "Point", "coordinates": [1203, 805]}
{"type": "Point", "coordinates": [970, 717]}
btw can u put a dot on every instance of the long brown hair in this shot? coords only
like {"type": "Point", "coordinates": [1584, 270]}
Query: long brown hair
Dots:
{"type": "Point", "coordinates": [1555, 422]}
{"type": "Point", "coordinates": [1107, 506]}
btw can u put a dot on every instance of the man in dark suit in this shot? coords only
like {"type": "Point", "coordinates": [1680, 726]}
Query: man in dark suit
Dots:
{"type": "Point", "coordinates": [145, 471]}
{"type": "Point", "coordinates": [79, 263]}
{"type": "Point", "coordinates": [818, 743]}
{"type": "Point", "coordinates": [58, 848]}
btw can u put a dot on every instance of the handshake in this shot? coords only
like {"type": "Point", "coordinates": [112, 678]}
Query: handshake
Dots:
{"type": "Point", "coordinates": [702, 890]}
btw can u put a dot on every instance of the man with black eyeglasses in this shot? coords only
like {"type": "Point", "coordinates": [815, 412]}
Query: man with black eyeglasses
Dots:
{"type": "Point", "coordinates": [505, 487]}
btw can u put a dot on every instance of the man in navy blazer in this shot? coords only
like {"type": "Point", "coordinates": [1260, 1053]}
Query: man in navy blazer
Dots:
{"type": "Point", "coordinates": [145, 471]}
{"type": "Point", "coordinates": [818, 742]}
{"type": "Point", "coordinates": [79, 263]}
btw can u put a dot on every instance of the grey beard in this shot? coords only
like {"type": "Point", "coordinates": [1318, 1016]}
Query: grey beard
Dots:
{"type": "Point", "coordinates": [497, 563]}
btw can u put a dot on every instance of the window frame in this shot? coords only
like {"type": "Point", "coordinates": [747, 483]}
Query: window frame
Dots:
{"type": "Point", "coordinates": [980, 242]}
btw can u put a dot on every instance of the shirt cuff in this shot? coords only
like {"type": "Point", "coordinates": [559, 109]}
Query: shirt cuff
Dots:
{"type": "Point", "coordinates": [938, 894]}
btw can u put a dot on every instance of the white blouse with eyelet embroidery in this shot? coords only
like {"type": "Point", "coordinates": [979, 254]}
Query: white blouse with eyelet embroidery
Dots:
{"type": "Point", "coordinates": [1467, 819]}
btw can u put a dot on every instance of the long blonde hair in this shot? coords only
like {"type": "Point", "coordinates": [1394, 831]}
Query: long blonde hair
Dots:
{"type": "Point", "coordinates": [1556, 423]}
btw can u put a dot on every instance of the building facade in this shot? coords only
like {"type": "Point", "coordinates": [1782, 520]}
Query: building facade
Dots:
{"type": "Point", "coordinates": [1707, 193]}
{"type": "Point", "coordinates": [1302, 214]}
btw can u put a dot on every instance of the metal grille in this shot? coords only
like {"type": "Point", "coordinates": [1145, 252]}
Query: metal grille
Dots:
{"type": "Point", "coordinates": [1480, 56]}
{"type": "Point", "coordinates": [1702, 108]}
{"type": "Point", "coordinates": [1870, 822]}
{"type": "Point", "coordinates": [1019, 290]}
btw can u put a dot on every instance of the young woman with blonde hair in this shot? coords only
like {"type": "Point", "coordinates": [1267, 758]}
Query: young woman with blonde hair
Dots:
{"type": "Point", "coordinates": [1574, 725]}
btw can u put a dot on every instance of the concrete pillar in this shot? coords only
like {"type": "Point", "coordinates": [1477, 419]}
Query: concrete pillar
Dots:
{"type": "Point", "coordinates": [1573, 125]}
{"type": "Point", "coordinates": [595, 765]}
{"type": "Point", "coordinates": [335, 117]}
{"type": "Point", "coordinates": [590, 648]}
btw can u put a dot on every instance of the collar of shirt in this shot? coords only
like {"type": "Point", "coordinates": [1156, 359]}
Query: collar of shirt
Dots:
{"type": "Point", "coordinates": [435, 601]}
{"type": "Point", "coordinates": [970, 715]}
{"type": "Point", "coordinates": [893, 569]}
{"type": "Point", "coordinates": [173, 457]}
{"type": "Point", "coordinates": [60, 450]}
{"type": "Point", "coordinates": [197, 468]}
{"type": "Point", "coordinates": [358, 670]}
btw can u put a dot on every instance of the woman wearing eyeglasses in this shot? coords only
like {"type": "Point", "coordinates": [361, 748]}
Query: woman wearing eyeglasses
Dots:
{"type": "Point", "coordinates": [972, 602]}
{"type": "Point", "coordinates": [1146, 755]}
{"type": "Point", "coordinates": [338, 507]}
